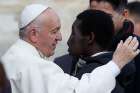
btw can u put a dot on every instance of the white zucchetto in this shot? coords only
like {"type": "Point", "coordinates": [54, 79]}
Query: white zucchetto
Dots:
{"type": "Point", "coordinates": [30, 13]}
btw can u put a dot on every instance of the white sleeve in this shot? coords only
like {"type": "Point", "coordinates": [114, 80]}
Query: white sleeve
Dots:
{"type": "Point", "coordinates": [51, 79]}
{"type": "Point", "coordinates": [101, 80]}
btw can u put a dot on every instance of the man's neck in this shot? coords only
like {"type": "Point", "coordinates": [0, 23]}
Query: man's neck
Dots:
{"type": "Point", "coordinates": [93, 50]}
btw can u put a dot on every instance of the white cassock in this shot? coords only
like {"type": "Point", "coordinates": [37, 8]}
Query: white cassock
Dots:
{"type": "Point", "coordinates": [29, 73]}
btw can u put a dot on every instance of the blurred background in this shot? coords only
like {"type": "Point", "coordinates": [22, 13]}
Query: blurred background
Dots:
{"type": "Point", "coordinates": [10, 10]}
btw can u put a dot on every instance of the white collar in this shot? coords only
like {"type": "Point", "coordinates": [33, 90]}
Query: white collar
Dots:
{"type": "Point", "coordinates": [29, 47]}
{"type": "Point", "coordinates": [99, 53]}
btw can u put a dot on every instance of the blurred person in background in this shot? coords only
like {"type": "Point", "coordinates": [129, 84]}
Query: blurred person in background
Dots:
{"type": "Point", "coordinates": [113, 7]}
{"type": "Point", "coordinates": [29, 70]}
{"type": "Point", "coordinates": [116, 8]}
{"type": "Point", "coordinates": [133, 14]}
{"type": "Point", "coordinates": [4, 82]}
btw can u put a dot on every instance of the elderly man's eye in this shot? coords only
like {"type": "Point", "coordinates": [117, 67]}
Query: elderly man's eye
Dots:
{"type": "Point", "coordinates": [54, 32]}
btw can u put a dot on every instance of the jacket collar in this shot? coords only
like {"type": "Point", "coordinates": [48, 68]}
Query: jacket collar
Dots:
{"type": "Point", "coordinates": [99, 53]}
{"type": "Point", "coordinates": [101, 57]}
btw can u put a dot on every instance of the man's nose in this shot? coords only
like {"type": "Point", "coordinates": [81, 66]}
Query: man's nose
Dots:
{"type": "Point", "coordinates": [59, 36]}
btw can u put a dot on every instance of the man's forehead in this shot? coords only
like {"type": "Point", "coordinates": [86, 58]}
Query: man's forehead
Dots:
{"type": "Point", "coordinates": [103, 6]}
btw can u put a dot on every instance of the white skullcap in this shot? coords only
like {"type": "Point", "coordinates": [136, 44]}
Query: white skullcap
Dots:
{"type": "Point", "coordinates": [30, 13]}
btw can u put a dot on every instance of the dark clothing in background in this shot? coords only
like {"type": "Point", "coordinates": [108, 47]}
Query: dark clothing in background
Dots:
{"type": "Point", "coordinates": [6, 88]}
{"type": "Point", "coordinates": [137, 64]}
{"type": "Point", "coordinates": [127, 30]}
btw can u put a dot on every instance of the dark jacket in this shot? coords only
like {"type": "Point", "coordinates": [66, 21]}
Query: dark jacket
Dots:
{"type": "Point", "coordinates": [124, 80]}
{"type": "Point", "coordinates": [137, 78]}
{"type": "Point", "coordinates": [67, 63]}
{"type": "Point", "coordinates": [136, 83]}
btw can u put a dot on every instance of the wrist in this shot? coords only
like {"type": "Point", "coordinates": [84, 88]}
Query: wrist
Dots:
{"type": "Point", "coordinates": [118, 63]}
{"type": "Point", "coordinates": [114, 68]}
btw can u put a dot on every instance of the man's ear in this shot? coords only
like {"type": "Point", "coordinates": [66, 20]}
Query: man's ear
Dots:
{"type": "Point", "coordinates": [90, 38]}
{"type": "Point", "coordinates": [125, 13]}
{"type": "Point", "coordinates": [33, 35]}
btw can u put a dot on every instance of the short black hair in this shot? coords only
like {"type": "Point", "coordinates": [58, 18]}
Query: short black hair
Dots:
{"type": "Point", "coordinates": [134, 8]}
{"type": "Point", "coordinates": [98, 22]}
{"type": "Point", "coordinates": [116, 4]}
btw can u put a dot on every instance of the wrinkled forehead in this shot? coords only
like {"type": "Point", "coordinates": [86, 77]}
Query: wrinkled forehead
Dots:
{"type": "Point", "coordinates": [49, 20]}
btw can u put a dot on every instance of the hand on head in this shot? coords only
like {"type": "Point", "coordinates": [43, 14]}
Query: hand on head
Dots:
{"type": "Point", "coordinates": [126, 51]}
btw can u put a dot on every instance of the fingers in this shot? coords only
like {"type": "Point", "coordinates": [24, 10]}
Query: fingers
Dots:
{"type": "Point", "coordinates": [128, 40]}
{"type": "Point", "coordinates": [126, 51]}
{"type": "Point", "coordinates": [120, 45]}
{"type": "Point", "coordinates": [135, 46]}
{"type": "Point", "coordinates": [134, 43]}
{"type": "Point", "coordinates": [131, 43]}
{"type": "Point", "coordinates": [137, 52]}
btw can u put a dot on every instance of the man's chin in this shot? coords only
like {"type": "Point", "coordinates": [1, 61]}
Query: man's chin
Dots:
{"type": "Point", "coordinates": [50, 54]}
{"type": "Point", "coordinates": [70, 53]}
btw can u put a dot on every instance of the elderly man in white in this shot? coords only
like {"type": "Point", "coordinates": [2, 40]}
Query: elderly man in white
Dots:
{"type": "Point", "coordinates": [30, 72]}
